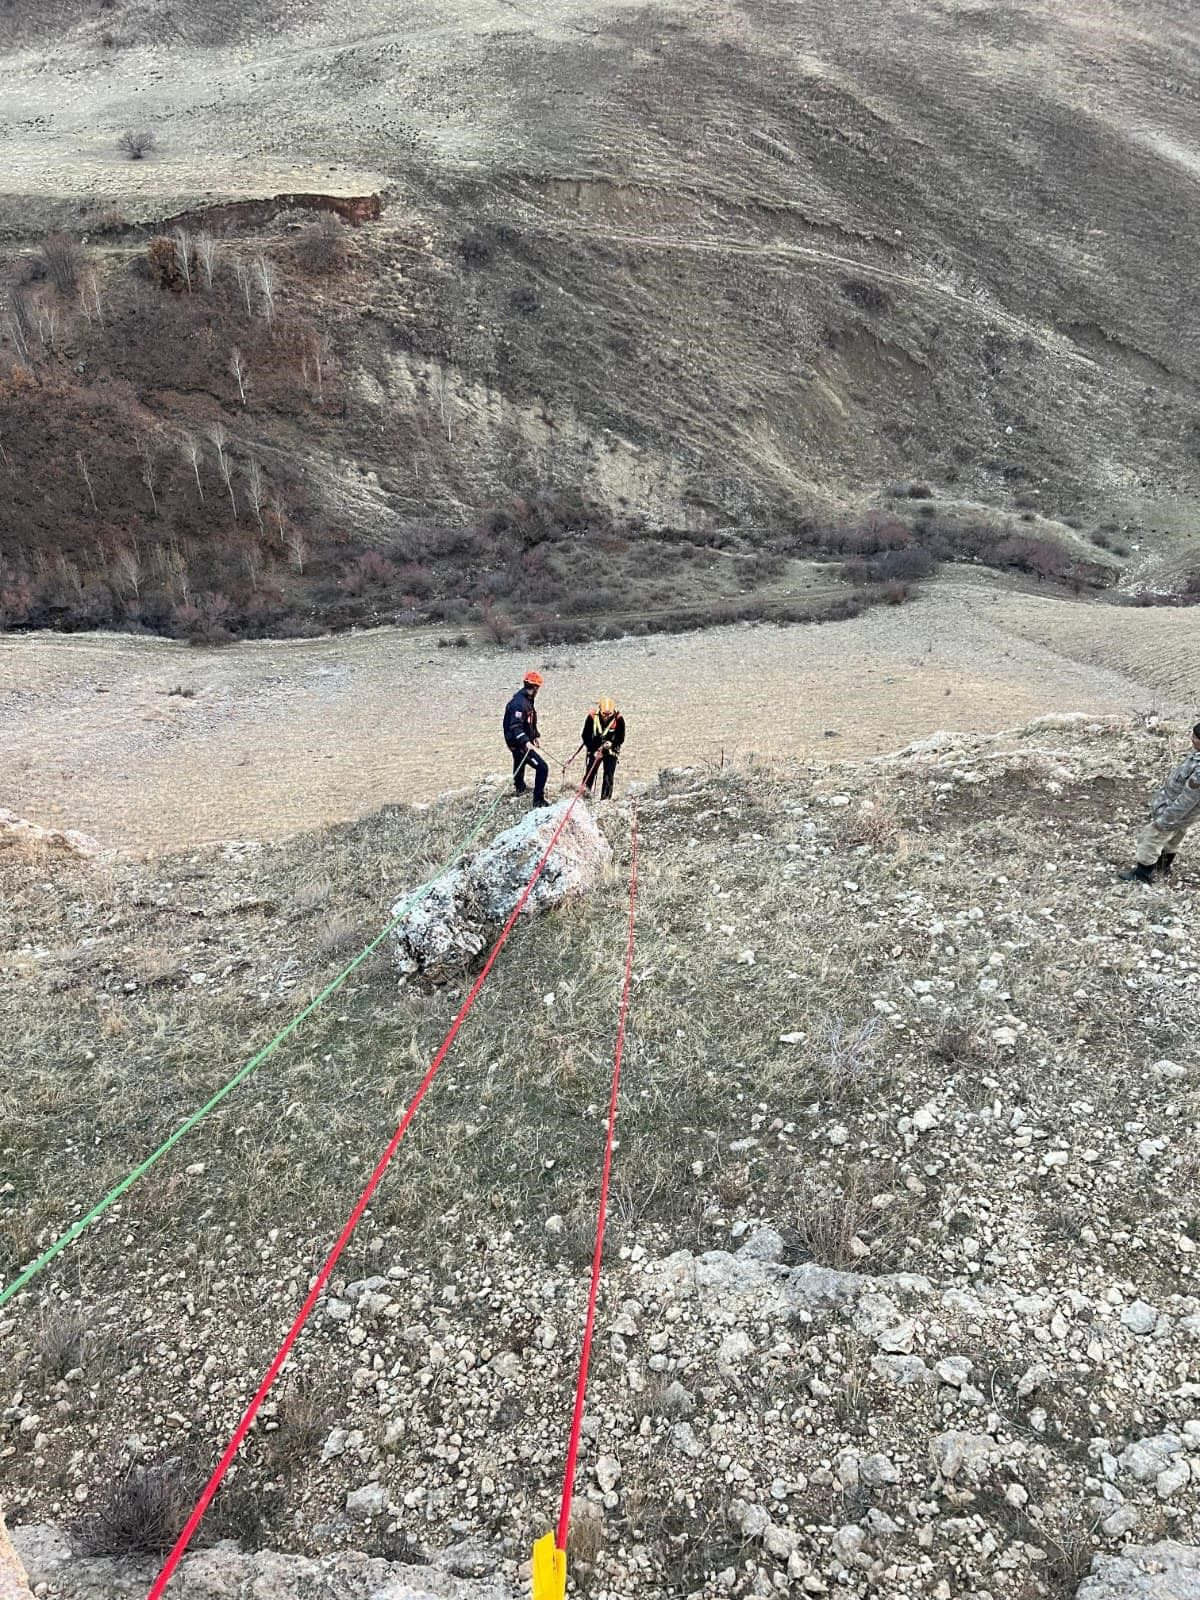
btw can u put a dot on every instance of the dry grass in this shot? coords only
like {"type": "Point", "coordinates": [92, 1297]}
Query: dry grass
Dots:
{"type": "Point", "coordinates": [142, 1508]}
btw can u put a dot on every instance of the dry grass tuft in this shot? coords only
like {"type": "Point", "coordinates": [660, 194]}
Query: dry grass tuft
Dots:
{"type": "Point", "coordinates": [143, 1511]}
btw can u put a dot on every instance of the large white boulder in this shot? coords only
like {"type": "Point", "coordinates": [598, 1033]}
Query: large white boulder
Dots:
{"type": "Point", "coordinates": [467, 905]}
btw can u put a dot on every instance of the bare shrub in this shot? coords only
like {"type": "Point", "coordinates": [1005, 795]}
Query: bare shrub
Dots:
{"type": "Point", "coordinates": [342, 935]}
{"type": "Point", "coordinates": [859, 1214]}
{"type": "Point", "coordinates": [304, 1418]}
{"type": "Point", "coordinates": [830, 1223]}
{"type": "Point", "coordinates": [60, 1336]}
{"type": "Point", "coordinates": [848, 1067]}
{"type": "Point", "coordinates": [585, 1536]}
{"type": "Point", "coordinates": [498, 626]}
{"type": "Point", "coordinates": [874, 825]}
{"type": "Point", "coordinates": [61, 257]}
{"type": "Point", "coordinates": [137, 143]}
{"type": "Point", "coordinates": [321, 246]}
{"type": "Point", "coordinates": [311, 896]}
{"type": "Point", "coordinates": [143, 1510]}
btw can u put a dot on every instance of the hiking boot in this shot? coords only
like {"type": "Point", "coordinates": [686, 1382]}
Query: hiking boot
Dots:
{"type": "Point", "coordinates": [1139, 874]}
{"type": "Point", "coordinates": [540, 805]}
{"type": "Point", "coordinates": [1165, 863]}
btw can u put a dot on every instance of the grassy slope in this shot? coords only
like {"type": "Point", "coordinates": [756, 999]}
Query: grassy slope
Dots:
{"type": "Point", "coordinates": [895, 935]}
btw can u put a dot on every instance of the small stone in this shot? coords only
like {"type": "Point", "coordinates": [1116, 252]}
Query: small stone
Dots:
{"type": "Point", "coordinates": [753, 1520]}
{"type": "Point", "coordinates": [367, 1502]}
{"type": "Point", "coordinates": [780, 1542]}
{"type": "Point", "coordinates": [608, 1473]}
{"type": "Point", "coordinates": [954, 1370]}
{"type": "Point", "coordinates": [1122, 1521]}
{"type": "Point", "coordinates": [764, 1244]}
{"type": "Point", "coordinates": [1139, 1318]}
{"type": "Point", "coordinates": [734, 1351]}
{"type": "Point", "coordinates": [683, 1437]}
{"type": "Point", "coordinates": [1168, 1069]}
{"type": "Point", "coordinates": [1172, 1479]}
{"type": "Point", "coordinates": [898, 1340]}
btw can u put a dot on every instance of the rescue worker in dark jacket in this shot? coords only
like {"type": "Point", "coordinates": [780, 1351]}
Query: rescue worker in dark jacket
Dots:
{"type": "Point", "coordinates": [603, 736]}
{"type": "Point", "coordinates": [521, 737]}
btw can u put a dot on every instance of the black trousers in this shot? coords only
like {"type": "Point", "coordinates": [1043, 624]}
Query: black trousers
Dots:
{"type": "Point", "coordinates": [609, 764]}
{"type": "Point", "coordinates": [526, 759]}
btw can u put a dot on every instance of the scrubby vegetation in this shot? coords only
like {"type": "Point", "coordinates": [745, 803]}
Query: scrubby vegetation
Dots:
{"type": "Point", "coordinates": [168, 411]}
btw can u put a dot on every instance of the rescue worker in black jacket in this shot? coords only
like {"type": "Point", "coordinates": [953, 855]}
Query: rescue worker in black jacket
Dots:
{"type": "Point", "coordinates": [521, 737]}
{"type": "Point", "coordinates": [603, 736]}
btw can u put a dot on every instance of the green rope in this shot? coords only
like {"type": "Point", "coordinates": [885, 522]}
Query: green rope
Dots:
{"type": "Point", "coordinates": [113, 1195]}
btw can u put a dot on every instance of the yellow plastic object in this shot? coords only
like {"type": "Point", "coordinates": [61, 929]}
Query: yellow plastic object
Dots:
{"type": "Point", "coordinates": [549, 1570]}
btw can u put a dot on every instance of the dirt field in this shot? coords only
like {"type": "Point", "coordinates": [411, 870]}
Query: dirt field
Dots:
{"type": "Point", "coordinates": [271, 738]}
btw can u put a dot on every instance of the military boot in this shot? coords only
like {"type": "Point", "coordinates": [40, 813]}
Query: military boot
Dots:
{"type": "Point", "coordinates": [1139, 874]}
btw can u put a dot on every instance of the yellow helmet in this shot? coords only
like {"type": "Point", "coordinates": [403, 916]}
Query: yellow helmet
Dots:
{"type": "Point", "coordinates": [607, 707]}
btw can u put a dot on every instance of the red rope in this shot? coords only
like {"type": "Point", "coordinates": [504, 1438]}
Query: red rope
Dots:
{"type": "Point", "coordinates": [326, 1272]}
{"type": "Point", "coordinates": [568, 1489]}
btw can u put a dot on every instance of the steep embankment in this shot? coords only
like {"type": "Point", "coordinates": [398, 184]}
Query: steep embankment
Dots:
{"type": "Point", "coordinates": [901, 1291]}
{"type": "Point", "coordinates": [725, 272]}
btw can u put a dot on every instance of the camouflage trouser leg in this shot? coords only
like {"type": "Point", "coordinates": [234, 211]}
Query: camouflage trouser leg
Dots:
{"type": "Point", "coordinates": [1153, 841]}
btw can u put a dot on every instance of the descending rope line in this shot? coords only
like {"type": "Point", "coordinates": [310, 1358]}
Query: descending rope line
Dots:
{"type": "Point", "coordinates": [550, 1568]}
{"type": "Point", "coordinates": [364, 1199]}
{"type": "Point", "coordinates": [114, 1194]}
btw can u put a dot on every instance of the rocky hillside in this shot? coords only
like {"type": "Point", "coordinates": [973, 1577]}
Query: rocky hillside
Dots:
{"type": "Point", "coordinates": [901, 1292]}
{"type": "Point", "coordinates": [618, 271]}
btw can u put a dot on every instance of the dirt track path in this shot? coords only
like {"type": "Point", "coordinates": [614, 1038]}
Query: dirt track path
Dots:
{"type": "Point", "coordinates": [278, 737]}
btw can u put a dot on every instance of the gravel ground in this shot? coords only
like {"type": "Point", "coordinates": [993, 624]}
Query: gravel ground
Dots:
{"type": "Point", "coordinates": [267, 739]}
{"type": "Point", "coordinates": [901, 1300]}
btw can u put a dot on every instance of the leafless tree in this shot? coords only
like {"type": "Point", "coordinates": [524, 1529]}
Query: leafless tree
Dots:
{"type": "Point", "coordinates": [147, 444]}
{"type": "Point", "coordinates": [193, 452]}
{"type": "Point", "coordinates": [256, 488]}
{"type": "Point", "coordinates": [312, 366]}
{"type": "Point", "coordinates": [60, 256]}
{"type": "Point", "coordinates": [296, 547]}
{"type": "Point", "coordinates": [237, 365]}
{"type": "Point", "coordinates": [264, 273]}
{"type": "Point", "coordinates": [277, 513]}
{"type": "Point", "coordinates": [129, 570]}
{"type": "Point", "coordinates": [253, 558]}
{"type": "Point", "coordinates": [220, 443]}
{"type": "Point", "coordinates": [7, 460]}
{"type": "Point", "coordinates": [136, 143]}
{"type": "Point", "coordinates": [89, 298]}
{"type": "Point", "coordinates": [183, 253]}
{"type": "Point", "coordinates": [175, 573]}
{"type": "Point", "coordinates": [87, 479]}
{"type": "Point", "coordinates": [47, 327]}
{"type": "Point", "coordinates": [443, 401]}
{"type": "Point", "coordinates": [19, 325]}
{"type": "Point", "coordinates": [206, 254]}
{"type": "Point", "coordinates": [242, 273]}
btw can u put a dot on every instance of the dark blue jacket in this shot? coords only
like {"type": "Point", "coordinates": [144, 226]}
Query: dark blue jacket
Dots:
{"type": "Point", "coordinates": [520, 720]}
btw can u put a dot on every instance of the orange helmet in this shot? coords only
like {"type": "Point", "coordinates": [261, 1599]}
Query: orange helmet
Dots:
{"type": "Point", "coordinates": [607, 707]}
{"type": "Point", "coordinates": [534, 679]}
